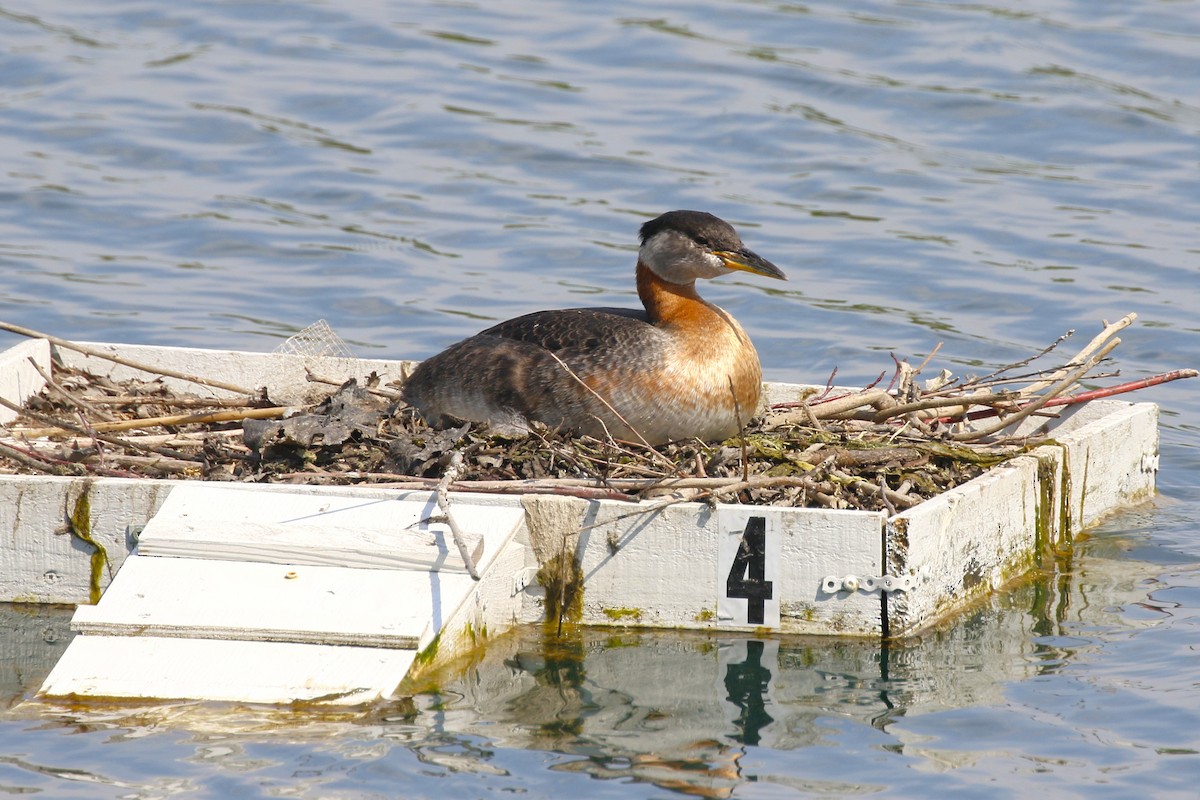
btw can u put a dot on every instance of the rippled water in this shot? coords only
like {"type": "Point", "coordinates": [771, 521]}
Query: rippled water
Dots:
{"type": "Point", "coordinates": [981, 175]}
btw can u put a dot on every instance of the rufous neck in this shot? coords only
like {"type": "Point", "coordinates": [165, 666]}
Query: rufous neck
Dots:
{"type": "Point", "coordinates": [665, 300]}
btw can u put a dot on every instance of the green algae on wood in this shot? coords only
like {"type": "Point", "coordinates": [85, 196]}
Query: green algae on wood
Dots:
{"type": "Point", "coordinates": [562, 579]}
{"type": "Point", "coordinates": [623, 614]}
{"type": "Point", "coordinates": [79, 523]}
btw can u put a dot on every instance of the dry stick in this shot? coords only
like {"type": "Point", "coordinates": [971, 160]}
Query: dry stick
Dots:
{"type": "Point", "coordinates": [86, 426]}
{"type": "Point", "coordinates": [149, 440]}
{"type": "Point", "coordinates": [173, 419]}
{"type": "Point", "coordinates": [831, 408]}
{"type": "Point", "coordinates": [98, 353]}
{"type": "Point", "coordinates": [90, 432]}
{"type": "Point", "coordinates": [175, 402]}
{"type": "Point", "coordinates": [964, 401]}
{"type": "Point", "coordinates": [884, 495]}
{"type": "Point", "coordinates": [1107, 391]}
{"type": "Point", "coordinates": [1045, 398]}
{"type": "Point", "coordinates": [36, 461]}
{"type": "Point", "coordinates": [889, 497]}
{"type": "Point", "coordinates": [611, 486]}
{"type": "Point", "coordinates": [928, 358]}
{"type": "Point", "coordinates": [1110, 330]}
{"type": "Point", "coordinates": [312, 377]}
{"type": "Point", "coordinates": [163, 464]}
{"type": "Point", "coordinates": [980, 385]}
{"type": "Point", "coordinates": [992, 376]}
{"type": "Point", "coordinates": [443, 501]}
{"type": "Point", "coordinates": [49, 464]}
{"type": "Point", "coordinates": [410, 483]}
{"type": "Point", "coordinates": [1097, 394]}
{"type": "Point", "coordinates": [78, 402]}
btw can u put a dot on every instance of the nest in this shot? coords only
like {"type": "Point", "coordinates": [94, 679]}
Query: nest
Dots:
{"type": "Point", "coordinates": [878, 448]}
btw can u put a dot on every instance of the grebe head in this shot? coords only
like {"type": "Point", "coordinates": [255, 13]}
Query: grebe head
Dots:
{"type": "Point", "coordinates": [681, 246]}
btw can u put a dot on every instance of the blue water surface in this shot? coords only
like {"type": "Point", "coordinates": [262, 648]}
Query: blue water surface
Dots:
{"type": "Point", "coordinates": [981, 175]}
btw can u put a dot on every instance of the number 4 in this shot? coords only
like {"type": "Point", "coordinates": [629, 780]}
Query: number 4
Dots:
{"type": "Point", "coordinates": [748, 576]}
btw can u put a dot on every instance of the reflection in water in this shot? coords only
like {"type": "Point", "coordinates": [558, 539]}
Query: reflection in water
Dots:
{"type": "Point", "coordinates": [746, 682]}
{"type": "Point", "coordinates": [693, 713]}
{"type": "Point", "coordinates": [684, 710]}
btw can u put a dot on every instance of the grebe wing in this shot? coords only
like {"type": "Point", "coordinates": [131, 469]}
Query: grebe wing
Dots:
{"type": "Point", "coordinates": [572, 329]}
{"type": "Point", "coordinates": [511, 373]}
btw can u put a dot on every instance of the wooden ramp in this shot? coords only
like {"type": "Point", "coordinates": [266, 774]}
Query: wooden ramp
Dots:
{"type": "Point", "coordinates": [261, 596]}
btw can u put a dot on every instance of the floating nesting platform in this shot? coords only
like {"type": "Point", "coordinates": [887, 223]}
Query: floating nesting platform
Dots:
{"type": "Point", "coordinates": [280, 594]}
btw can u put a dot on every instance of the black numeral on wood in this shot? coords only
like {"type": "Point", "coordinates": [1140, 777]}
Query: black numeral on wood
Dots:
{"type": "Point", "coordinates": [748, 575]}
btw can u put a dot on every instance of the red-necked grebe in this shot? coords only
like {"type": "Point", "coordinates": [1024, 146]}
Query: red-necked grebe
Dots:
{"type": "Point", "coordinates": [678, 369]}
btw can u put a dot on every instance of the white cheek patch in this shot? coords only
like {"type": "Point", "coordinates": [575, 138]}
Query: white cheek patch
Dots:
{"type": "Point", "coordinates": [678, 260]}
{"type": "Point", "coordinates": [716, 265]}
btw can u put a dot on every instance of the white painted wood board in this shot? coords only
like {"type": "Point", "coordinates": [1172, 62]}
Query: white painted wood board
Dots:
{"type": "Point", "coordinates": [213, 605]}
{"type": "Point", "coordinates": [212, 520]}
{"type": "Point", "coordinates": [200, 598]}
{"type": "Point", "coordinates": [148, 667]}
{"type": "Point", "coordinates": [661, 569]}
{"type": "Point", "coordinates": [40, 561]}
{"type": "Point", "coordinates": [1112, 459]}
{"type": "Point", "coordinates": [19, 379]}
{"type": "Point", "coordinates": [963, 543]}
{"type": "Point", "coordinates": [285, 375]}
{"type": "Point", "coordinates": [492, 607]}
{"type": "Point", "coordinates": [973, 539]}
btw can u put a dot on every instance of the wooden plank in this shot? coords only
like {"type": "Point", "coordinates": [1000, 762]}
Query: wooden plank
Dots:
{"type": "Point", "coordinates": [662, 569]}
{"type": "Point", "coordinates": [146, 667]}
{"type": "Point", "coordinates": [1112, 460]}
{"type": "Point", "coordinates": [19, 381]}
{"type": "Point", "coordinates": [224, 522]}
{"type": "Point", "coordinates": [823, 543]}
{"type": "Point", "coordinates": [41, 561]}
{"type": "Point", "coordinates": [203, 598]}
{"type": "Point", "coordinates": [286, 376]}
{"type": "Point", "coordinates": [964, 543]}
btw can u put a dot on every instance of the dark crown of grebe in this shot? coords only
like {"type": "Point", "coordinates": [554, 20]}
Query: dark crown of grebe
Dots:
{"type": "Point", "coordinates": [681, 246]}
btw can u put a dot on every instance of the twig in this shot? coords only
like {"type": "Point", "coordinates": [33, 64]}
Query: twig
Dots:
{"type": "Point", "coordinates": [51, 466]}
{"type": "Point", "coordinates": [881, 490]}
{"type": "Point", "coordinates": [987, 378]}
{"type": "Point", "coordinates": [148, 441]}
{"type": "Point", "coordinates": [78, 402]}
{"type": "Point", "coordinates": [1055, 390]}
{"type": "Point", "coordinates": [1110, 330]}
{"type": "Point", "coordinates": [36, 461]}
{"type": "Point", "coordinates": [90, 432]}
{"type": "Point", "coordinates": [443, 501]}
{"type": "Point", "coordinates": [173, 419]}
{"type": "Point", "coordinates": [125, 362]}
{"type": "Point", "coordinates": [954, 401]}
{"type": "Point", "coordinates": [312, 377]}
{"type": "Point", "coordinates": [176, 402]}
{"type": "Point", "coordinates": [928, 358]}
{"type": "Point", "coordinates": [828, 409]}
{"type": "Point", "coordinates": [1107, 391]}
